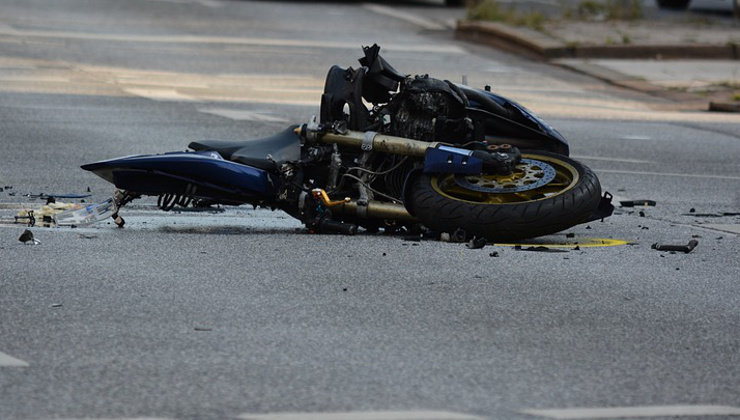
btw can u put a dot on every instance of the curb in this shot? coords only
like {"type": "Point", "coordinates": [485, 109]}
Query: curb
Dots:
{"type": "Point", "coordinates": [532, 43]}
{"type": "Point", "coordinates": [527, 42]}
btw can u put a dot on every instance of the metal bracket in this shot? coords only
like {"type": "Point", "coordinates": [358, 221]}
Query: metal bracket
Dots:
{"type": "Point", "coordinates": [367, 140]}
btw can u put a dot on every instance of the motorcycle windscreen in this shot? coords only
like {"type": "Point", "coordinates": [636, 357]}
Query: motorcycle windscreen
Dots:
{"type": "Point", "coordinates": [204, 175]}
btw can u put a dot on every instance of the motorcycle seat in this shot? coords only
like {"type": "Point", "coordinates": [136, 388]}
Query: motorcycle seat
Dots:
{"type": "Point", "coordinates": [263, 153]}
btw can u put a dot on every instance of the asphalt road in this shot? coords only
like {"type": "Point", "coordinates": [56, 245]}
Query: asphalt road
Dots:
{"type": "Point", "coordinates": [241, 314]}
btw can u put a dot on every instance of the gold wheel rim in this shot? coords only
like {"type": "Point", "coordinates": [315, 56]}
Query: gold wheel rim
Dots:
{"type": "Point", "coordinates": [566, 177]}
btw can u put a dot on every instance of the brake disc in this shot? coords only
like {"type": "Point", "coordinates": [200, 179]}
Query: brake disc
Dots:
{"type": "Point", "coordinates": [528, 175]}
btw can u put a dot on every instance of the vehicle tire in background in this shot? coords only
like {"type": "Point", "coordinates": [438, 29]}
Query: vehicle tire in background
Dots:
{"type": "Point", "coordinates": [673, 4]}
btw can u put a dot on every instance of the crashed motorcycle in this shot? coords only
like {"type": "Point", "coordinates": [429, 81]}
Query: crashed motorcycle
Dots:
{"type": "Point", "coordinates": [389, 151]}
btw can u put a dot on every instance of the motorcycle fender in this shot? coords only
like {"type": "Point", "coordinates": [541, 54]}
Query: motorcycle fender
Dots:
{"type": "Point", "coordinates": [451, 160]}
{"type": "Point", "coordinates": [199, 174]}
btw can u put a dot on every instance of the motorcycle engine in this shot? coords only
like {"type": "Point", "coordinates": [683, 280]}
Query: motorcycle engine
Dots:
{"type": "Point", "coordinates": [429, 109]}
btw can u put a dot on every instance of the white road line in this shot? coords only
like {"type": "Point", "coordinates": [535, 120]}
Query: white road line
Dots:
{"type": "Point", "coordinates": [632, 412]}
{"type": "Point", "coordinates": [406, 17]}
{"type": "Point", "coordinates": [207, 3]}
{"type": "Point", "coordinates": [119, 418]}
{"type": "Point", "coordinates": [241, 115]}
{"type": "Point", "coordinates": [160, 94]}
{"type": "Point", "coordinates": [609, 159]}
{"type": "Point", "coordinates": [733, 228]}
{"type": "Point", "coordinates": [671, 174]}
{"type": "Point", "coordinates": [197, 39]}
{"type": "Point", "coordinates": [9, 361]}
{"type": "Point", "coordinates": [636, 137]}
{"type": "Point", "coordinates": [363, 415]}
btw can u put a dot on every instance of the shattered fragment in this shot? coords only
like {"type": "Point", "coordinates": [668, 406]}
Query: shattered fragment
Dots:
{"type": "Point", "coordinates": [676, 248]}
{"type": "Point", "coordinates": [539, 249]}
{"type": "Point", "coordinates": [27, 238]}
{"type": "Point", "coordinates": [637, 203]}
{"type": "Point", "coordinates": [476, 243]}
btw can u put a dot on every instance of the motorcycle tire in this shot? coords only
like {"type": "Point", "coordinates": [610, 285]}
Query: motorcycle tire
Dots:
{"type": "Point", "coordinates": [522, 205]}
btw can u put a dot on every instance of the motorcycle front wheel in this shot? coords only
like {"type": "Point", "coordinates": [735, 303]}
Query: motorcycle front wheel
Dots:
{"type": "Point", "coordinates": [547, 193]}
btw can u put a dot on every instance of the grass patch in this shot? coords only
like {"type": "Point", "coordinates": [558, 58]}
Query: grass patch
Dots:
{"type": "Point", "coordinates": [493, 11]}
{"type": "Point", "coordinates": [736, 96]}
{"type": "Point", "coordinates": [600, 10]}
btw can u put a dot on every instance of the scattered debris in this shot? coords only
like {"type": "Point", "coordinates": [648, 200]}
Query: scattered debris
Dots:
{"type": "Point", "coordinates": [87, 215]}
{"type": "Point", "coordinates": [637, 203]}
{"type": "Point", "coordinates": [570, 235]}
{"type": "Point", "coordinates": [27, 238]}
{"type": "Point", "coordinates": [642, 213]}
{"type": "Point", "coordinates": [56, 305]}
{"type": "Point", "coordinates": [493, 254]}
{"type": "Point", "coordinates": [539, 249]}
{"type": "Point", "coordinates": [45, 196]}
{"type": "Point", "coordinates": [203, 329]}
{"type": "Point", "coordinates": [692, 210]}
{"type": "Point", "coordinates": [676, 248]}
{"type": "Point", "coordinates": [476, 243]}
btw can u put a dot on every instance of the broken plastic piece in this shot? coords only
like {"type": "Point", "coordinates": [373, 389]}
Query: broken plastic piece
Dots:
{"type": "Point", "coordinates": [27, 238]}
{"type": "Point", "coordinates": [539, 249]}
{"type": "Point", "coordinates": [637, 203]}
{"type": "Point", "coordinates": [87, 215]}
{"type": "Point", "coordinates": [476, 243]}
{"type": "Point", "coordinates": [676, 248]}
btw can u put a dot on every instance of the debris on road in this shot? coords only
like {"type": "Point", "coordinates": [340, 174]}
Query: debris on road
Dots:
{"type": "Point", "coordinates": [476, 243]}
{"type": "Point", "coordinates": [637, 203]}
{"type": "Point", "coordinates": [676, 248]}
{"type": "Point", "coordinates": [27, 238]}
{"type": "Point", "coordinates": [539, 249]}
{"type": "Point", "coordinates": [87, 215]}
{"type": "Point", "coordinates": [45, 214]}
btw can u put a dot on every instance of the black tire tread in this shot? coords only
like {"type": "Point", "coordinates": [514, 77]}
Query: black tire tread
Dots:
{"type": "Point", "coordinates": [508, 221]}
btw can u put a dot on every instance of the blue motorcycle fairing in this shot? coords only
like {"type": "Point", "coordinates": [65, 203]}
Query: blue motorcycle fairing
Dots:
{"type": "Point", "coordinates": [197, 174]}
{"type": "Point", "coordinates": [515, 121]}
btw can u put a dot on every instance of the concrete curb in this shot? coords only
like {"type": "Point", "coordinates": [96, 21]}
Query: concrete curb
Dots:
{"type": "Point", "coordinates": [532, 43]}
{"type": "Point", "coordinates": [535, 44]}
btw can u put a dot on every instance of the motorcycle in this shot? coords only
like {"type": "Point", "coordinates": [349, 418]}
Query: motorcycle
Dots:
{"type": "Point", "coordinates": [391, 152]}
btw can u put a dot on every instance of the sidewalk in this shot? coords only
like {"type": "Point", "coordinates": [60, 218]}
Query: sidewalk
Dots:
{"type": "Point", "coordinates": [692, 62]}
